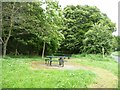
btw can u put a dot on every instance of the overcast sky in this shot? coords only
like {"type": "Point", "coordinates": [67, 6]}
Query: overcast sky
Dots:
{"type": "Point", "coordinates": [110, 7]}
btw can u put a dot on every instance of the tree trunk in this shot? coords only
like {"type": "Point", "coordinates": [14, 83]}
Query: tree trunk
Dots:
{"type": "Point", "coordinates": [4, 49]}
{"type": "Point", "coordinates": [6, 41]}
{"type": "Point", "coordinates": [16, 52]}
{"type": "Point", "coordinates": [9, 34]}
{"type": "Point", "coordinates": [43, 50]}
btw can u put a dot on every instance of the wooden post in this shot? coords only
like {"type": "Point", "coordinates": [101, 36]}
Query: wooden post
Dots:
{"type": "Point", "coordinates": [103, 51]}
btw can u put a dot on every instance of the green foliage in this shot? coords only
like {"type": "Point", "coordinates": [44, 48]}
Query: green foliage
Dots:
{"type": "Point", "coordinates": [79, 20]}
{"type": "Point", "coordinates": [79, 55]}
{"type": "Point", "coordinates": [117, 44]}
{"type": "Point", "coordinates": [32, 25]}
{"type": "Point", "coordinates": [52, 35]}
{"type": "Point", "coordinates": [97, 38]}
{"type": "Point", "coordinates": [24, 23]}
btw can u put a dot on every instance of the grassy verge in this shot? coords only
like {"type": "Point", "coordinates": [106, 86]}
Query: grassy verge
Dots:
{"type": "Point", "coordinates": [117, 53]}
{"type": "Point", "coordinates": [98, 61]}
{"type": "Point", "coordinates": [16, 73]}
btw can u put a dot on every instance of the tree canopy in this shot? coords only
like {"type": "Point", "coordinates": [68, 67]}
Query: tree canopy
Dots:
{"type": "Point", "coordinates": [44, 28]}
{"type": "Point", "coordinates": [98, 38]}
{"type": "Point", "coordinates": [80, 20]}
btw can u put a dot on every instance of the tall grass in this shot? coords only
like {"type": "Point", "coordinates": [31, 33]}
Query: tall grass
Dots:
{"type": "Point", "coordinates": [18, 74]}
{"type": "Point", "coordinates": [98, 61]}
{"type": "Point", "coordinates": [117, 53]}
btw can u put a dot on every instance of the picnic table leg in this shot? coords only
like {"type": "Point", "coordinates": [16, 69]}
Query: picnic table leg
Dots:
{"type": "Point", "coordinates": [59, 62]}
{"type": "Point", "coordinates": [50, 61]}
{"type": "Point", "coordinates": [63, 64]}
{"type": "Point", "coordinates": [45, 62]}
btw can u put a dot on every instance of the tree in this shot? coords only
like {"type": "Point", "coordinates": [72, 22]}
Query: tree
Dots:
{"type": "Point", "coordinates": [52, 35]}
{"type": "Point", "coordinates": [98, 40]}
{"type": "Point", "coordinates": [20, 19]}
{"type": "Point", "coordinates": [32, 27]}
{"type": "Point", "coordinates": [78, 20]}
{"type": "Point", "coordinates": [8, 12]}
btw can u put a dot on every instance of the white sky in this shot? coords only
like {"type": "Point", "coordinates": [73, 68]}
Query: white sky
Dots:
{"type": "Point", "coordinates": [110, 7]}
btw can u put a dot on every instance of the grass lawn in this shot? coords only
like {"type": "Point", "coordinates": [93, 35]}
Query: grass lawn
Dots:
{"type": "Point", "coordinates": [117, 53]}
{"type": "Point", "coordinates": [98, 61]}
{"type": "Point", "coordinates": [17, 73]}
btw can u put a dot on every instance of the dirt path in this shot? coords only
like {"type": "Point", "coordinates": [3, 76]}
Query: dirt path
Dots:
{"type": "Point", "coordinates": [105, 79]}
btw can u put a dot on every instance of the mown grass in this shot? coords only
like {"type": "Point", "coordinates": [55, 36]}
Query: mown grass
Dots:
{"type": "Point", "coordinates": [16, 73]}
{"type": "Point", "coordinates": [97, 61]}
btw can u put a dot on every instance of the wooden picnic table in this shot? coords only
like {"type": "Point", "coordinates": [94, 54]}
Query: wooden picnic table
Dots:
{"type": "Point", "coordinates": [50, 59]}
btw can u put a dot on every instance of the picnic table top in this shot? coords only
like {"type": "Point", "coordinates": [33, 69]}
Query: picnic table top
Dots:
{"type": "Point", "coordinates": [54, 56]}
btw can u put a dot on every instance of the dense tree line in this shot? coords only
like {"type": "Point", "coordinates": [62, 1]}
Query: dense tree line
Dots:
{"type": "Point", "coordinates": [28, 28]}
{"type": "Point", "coordinates": [86, 29]}
{"type": "Point", "coordinates": [40, 28]}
